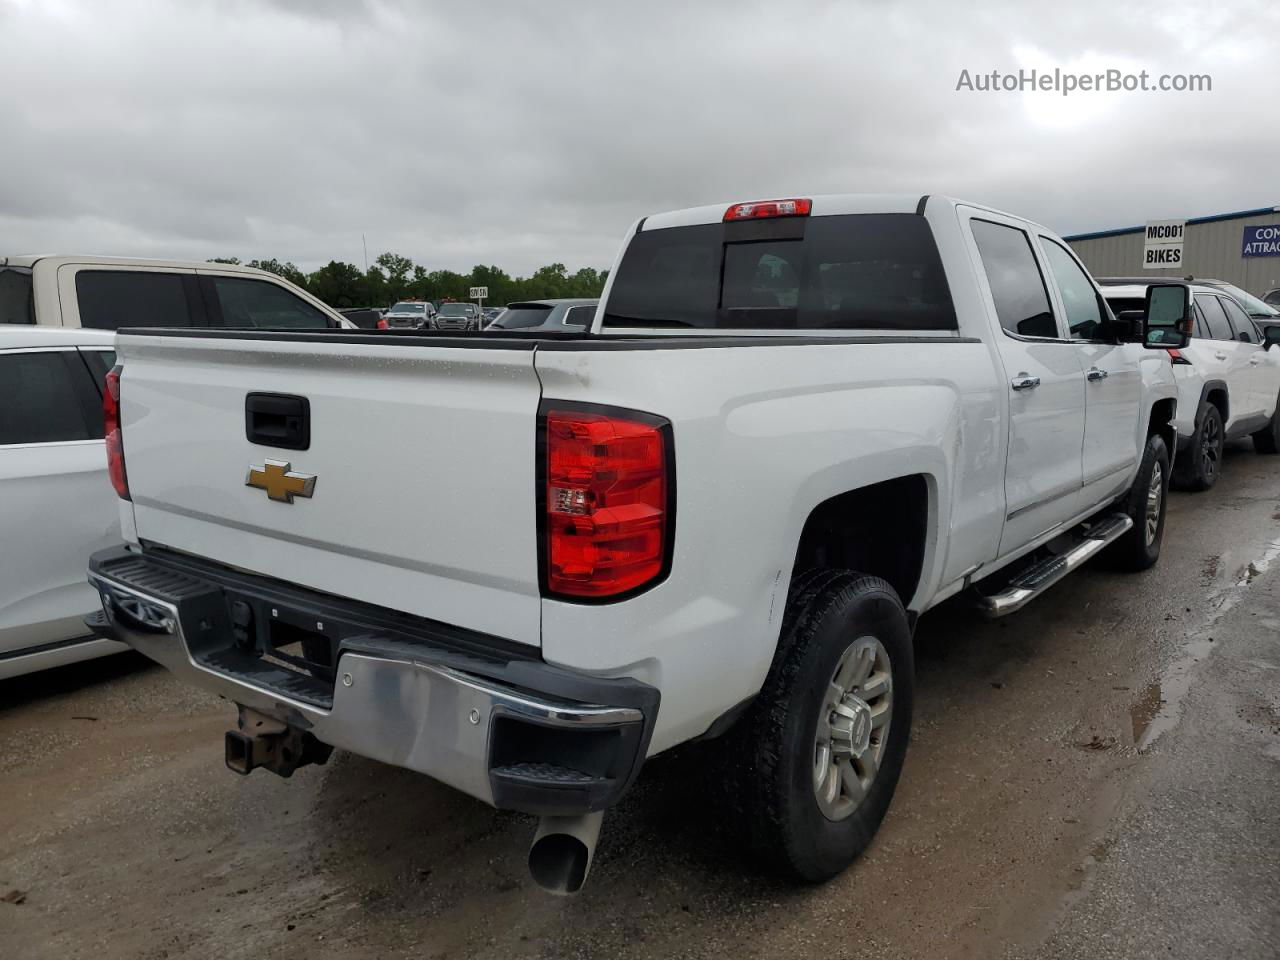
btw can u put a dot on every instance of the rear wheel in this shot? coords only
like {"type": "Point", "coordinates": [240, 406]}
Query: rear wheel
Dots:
{"type": "Point", "coordinates": [1202, 465]}
{"type": "Point", "coordinates": [1267, 440]}
{"type": "Point", "coordinates": [818, 754]}
{"type": "Point", "coordinates": [1146, 504]}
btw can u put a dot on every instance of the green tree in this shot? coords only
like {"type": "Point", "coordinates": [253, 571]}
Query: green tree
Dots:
{"type": "Point", "coordinates": [339, 285]}
{"type": "Point", "coordinates": [232, 260]}
{"type": "Point", "coordinates": [396, 269]}
{"type": "Point", "coordinates": [286, 270]}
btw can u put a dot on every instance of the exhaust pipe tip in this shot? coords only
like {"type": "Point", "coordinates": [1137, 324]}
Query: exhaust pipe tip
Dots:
{"type": "Point", "coordinates": [562, 850]}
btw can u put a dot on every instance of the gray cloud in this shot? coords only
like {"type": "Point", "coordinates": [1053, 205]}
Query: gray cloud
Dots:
{"type": "Point", "coordinates": [518, 133]}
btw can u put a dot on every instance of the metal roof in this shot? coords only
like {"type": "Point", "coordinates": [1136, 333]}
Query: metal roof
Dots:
{"type": "Point", "coordinates": [1120, 231]}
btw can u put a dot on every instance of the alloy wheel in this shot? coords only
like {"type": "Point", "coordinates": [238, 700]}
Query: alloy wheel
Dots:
{"type": "Point", "coordinates": [853, 728]}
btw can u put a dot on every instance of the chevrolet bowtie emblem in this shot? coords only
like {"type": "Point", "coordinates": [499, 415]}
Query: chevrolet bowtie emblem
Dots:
{"type": "Point", "coordinates": [282, 484]}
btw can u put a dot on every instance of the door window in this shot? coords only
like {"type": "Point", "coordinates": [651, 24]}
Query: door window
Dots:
{"type": "Point", "coordinates": [111, 299]}
{"type": "Point", "coordinates": [1215, 319]}
{"type": "Point", "coordinates": [39, 402]}
{"type": "Point", "coordinates": [260, 303]}
{"type": "Point", "coordinates": [1017, 286]}
{"type": "Point", "coordinates": [1079, 298]}
{"type": "Point", "coordinates": [1240, 322]}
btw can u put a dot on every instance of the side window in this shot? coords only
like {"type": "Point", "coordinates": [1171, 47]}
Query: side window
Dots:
{"type": "Point", "coordinates": [1022, 302]}
{"type": "Point", "coordinates": [99, 362]}
{"type": "Point", "coordinates": [39, 402]}
{"type": "Point", "coordinates": [260, 303]}
{"type": "Point", "coordinates": [579, 317]}
{"type": "Point", "coordinates": [17, 299]}
{"type": "Point", "coordinates": [1079, 298]}
{"type": "Point", "coordinates": [111, 299]}
{"type": "Point", "coordinates": [1201, 331]}
{"type": "Point", "coordinates": [1244, 328]}
{"type": "Point", "coordinates": [1215, 320]}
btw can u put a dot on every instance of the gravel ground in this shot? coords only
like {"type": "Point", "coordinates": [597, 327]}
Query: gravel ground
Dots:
{"type": "Point", "coordinates": [1094, 776]}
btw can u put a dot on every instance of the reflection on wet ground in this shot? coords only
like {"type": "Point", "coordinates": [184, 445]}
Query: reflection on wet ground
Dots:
{"type": "Point", "coordinates": [1158, 709]}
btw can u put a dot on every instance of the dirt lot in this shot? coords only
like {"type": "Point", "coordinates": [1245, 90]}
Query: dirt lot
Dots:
{"type": "Point", "coordinates": [1097, 776]}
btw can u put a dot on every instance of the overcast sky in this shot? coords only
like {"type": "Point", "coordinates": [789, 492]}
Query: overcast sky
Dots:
{"type": "Point", "coordinates": [519, 134]}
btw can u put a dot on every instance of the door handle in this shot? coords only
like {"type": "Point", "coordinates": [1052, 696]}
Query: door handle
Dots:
{"type": "Point", "coordinates": [1221, 356]}
{"type": "Point", "coordinates": [1024, 382]}
{"type": "Point", "coordinates": [1095, 373]}
{"type": "Point", "coordinates": [1254, 361]}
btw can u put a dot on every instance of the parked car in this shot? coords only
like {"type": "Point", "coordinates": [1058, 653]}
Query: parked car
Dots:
{"type": "Point", "coordinates": [1228, 380]}
{"type": "Point", "coordinates": [802, 424]}
{"type": "Point", "coordinates": [1261, 313]}
{"type": "Point", "coordinates": [366, 318]}
{"type": "Point", "coordinates": [489, 314]}
{"type": "Point", "coordinates": [408, 314]}
{"type": "Point", "coordinates": [563, 315]}
{"type": "Point", "coordinates": [108, 293]}
{"type": "Point", "coordinates": [55, 504]}
{"type": "Point", "coordinates": [457, 316]}
{"type": "Point", "coordinates": [1272, 298]}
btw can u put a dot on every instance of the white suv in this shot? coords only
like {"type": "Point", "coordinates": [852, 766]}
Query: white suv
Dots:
{"type": "Point", "coordinates": [1228, 380]}
{"type": "Point", "coordinates": [57, 505]}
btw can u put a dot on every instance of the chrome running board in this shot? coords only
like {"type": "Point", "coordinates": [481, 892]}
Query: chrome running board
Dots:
{"type": "Point", "coordinates": [1030, 583]}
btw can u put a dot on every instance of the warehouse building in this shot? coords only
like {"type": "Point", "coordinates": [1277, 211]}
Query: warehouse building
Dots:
{"type": "Point", "coordinates": [1242, 248]}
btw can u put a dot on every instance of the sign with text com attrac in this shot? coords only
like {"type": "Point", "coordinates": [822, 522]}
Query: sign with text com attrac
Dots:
{"type": "Point", "coordinates": [1261, 241]}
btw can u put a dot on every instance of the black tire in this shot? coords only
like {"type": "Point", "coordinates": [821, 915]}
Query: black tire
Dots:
{"type": "Point", "coordinates": [1267, 440]}
{"type": "Point", "coordinates": [773, 749]}
{"type": "Point", "coordinates": [1201, 466]}
{"type": "Point", "coordinates": [1139, 549]}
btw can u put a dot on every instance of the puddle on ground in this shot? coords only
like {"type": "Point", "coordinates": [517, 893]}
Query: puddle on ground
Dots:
{"type": "Point", "coordinates": [1159, 708]}
{"type": "Point", "coordinates": [1144, 711]}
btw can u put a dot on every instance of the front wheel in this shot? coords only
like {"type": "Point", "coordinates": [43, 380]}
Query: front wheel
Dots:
{"type": "Point", "coordinates": [1146, 504]}
{"type": "Point", "coordinates": [818, 755]}
{"type": "Point", "coordinates": [1202, 465]}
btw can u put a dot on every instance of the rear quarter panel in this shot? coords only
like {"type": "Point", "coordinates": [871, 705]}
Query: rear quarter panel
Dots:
{"type": "Point", "coordinates": [763, 434]}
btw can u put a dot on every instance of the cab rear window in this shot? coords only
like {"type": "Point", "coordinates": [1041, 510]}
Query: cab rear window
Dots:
{"type": "Point", "coordinates": [851, 272]}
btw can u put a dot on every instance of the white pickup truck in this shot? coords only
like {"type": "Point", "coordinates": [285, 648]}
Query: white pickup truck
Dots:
{"type": "Point", "coordinates": [523, 564]}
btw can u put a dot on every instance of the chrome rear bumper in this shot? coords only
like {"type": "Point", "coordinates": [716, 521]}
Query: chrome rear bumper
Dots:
{"type": "Point", "coordinates": [406, 707]}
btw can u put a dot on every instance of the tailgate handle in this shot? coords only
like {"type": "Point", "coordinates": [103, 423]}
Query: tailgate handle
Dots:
{"type": "Point", "coordinates": [278, 420]}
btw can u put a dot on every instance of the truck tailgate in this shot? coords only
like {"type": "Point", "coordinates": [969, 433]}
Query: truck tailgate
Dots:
{"type": "Point", "coordinates": [423, 458]}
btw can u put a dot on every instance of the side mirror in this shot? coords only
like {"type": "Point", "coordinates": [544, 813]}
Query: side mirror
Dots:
{"type": "Point", "coordinates": [1270, 336]}
{"type": "Point", "coordinates": [1167, 319]}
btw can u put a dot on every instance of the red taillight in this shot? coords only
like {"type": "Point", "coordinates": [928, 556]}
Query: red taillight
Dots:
{"type": "Point", "coordinates": [607, 488]}
{"type": "Point", "coordinates": [111, 429]}
{"type": "Point", "coordinates": [1175, 356]}
{"type": "Point", "coordinates": [764, 209]}
{"type": "Point", "coordinates": [382, 323]}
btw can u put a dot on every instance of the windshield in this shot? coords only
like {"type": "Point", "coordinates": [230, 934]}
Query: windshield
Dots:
{"type": "Point", "coordinates": [516, 318]}
{"type": "Point", "coordinates": [16, 302]}
{"type": "Point", "coordinates": [851, 272]}
{"type": "Point", "coordinates": [1252, 305]}
{"type": "Point", "coordinates": [408, 308]}
{"type": "Point", "coordinates": [455, 310]}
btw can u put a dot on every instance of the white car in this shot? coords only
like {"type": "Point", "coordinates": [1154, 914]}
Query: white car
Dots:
{"type": "Point", "coordinates": [796, 426]}
{"type": "Point", "coordinates": [1228, 380]}
{"type": "Point", "coordinates": [57, 504]}
{"type": "Point", "coordinates": [107, 293]}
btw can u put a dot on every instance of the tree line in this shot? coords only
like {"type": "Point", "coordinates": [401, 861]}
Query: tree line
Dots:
{"type": "Point", "coordinates": [393, 277]}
